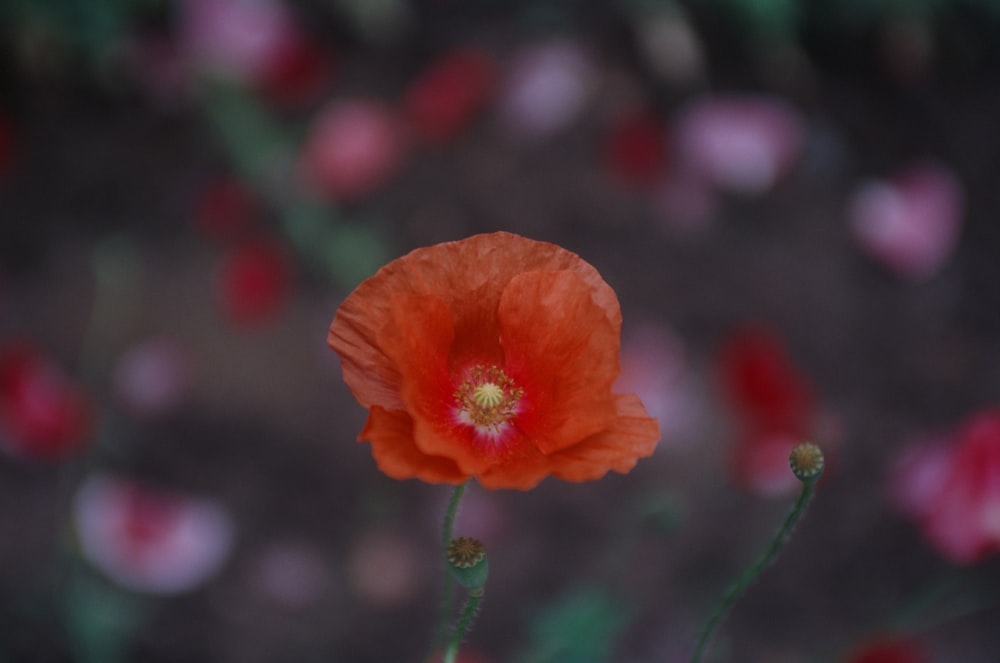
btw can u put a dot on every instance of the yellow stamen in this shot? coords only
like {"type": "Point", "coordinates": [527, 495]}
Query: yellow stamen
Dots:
{"type": "Point", "coordinates": [487, 399]}
{"type": "Point", "coordinates": [488, 395]}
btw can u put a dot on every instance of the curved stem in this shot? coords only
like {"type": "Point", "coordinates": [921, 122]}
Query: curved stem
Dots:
{"type": "Point", "coordinates": [468, 614]}
{"type": "Point", "coordinates": [741, 584]}
{"type": "Point", "coordinates": [448, 587]}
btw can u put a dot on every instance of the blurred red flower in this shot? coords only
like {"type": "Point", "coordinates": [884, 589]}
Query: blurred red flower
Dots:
{"type": "Point", "coordinates": [254, 282]}
{"type": "Point", "coordinates": [43, 414]}
{"type": "Point", "coordinates": [774, 406]}
{"type": "Point", "coordinates": [889, 650]}
{"type": "Point", "coordinates": [959, 506]}
{"type": "Point", "coordinates": [492, 357]}
{"type": "Point", "coordinates": [224, 209]}
{"type": "Point", "coordinates": [442, 101]}
{"type": "Point", "coordinates": [297, 74]}
{"type": "Point", "coordinates": [635, 148]}
{"type": "Point", "coordinates": [761, 383]}
{"type": "Point", "coordinates": [6, 145]}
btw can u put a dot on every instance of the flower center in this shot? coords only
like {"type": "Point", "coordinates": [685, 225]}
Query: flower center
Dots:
{"type": "Point", "coordinates": [487, 399]}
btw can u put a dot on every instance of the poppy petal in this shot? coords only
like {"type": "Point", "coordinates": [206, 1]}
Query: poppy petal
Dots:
{"type": "Point", "coordinates": [391, 437]}
{"type": "Point", "coordinates": [469, 276]}
{"type": "Point", "coordinates": [562, 349]}
{"type": "Point", "coordinates": [417, 338]}
{"type": "Point", "coordinates": [523, 468]}
{"type": "Point", "coordinates": [633, 435]}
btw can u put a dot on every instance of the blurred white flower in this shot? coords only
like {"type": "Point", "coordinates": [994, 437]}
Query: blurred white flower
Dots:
{"type": "Point", "coordinates": [741, 144]}
{"type": "Point", "coordinates": [545, 89]}
{"type": "Point", "coordinates": [150, 540]}
{"type": "Point", "coordinates": [152, 377]}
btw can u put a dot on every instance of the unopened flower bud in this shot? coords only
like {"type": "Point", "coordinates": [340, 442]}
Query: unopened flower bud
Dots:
{"type": "Point", "coordinates": [806, 461]}
{"type": "Point", "coordinates": [467, 562]}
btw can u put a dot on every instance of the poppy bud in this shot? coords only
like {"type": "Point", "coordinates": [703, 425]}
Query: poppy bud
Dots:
{"type": "Point", "coordinates": [467, 562]}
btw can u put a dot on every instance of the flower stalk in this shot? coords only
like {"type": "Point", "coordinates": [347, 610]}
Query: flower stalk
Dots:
{"type": "Point", "coordinates": [806, 462]}
{"type": "Point", "coordinates": [469, 566]}
{"type": "Point", "coordinates": [448, 582]}
{"type": "Point", "coordinates": [468, 614]}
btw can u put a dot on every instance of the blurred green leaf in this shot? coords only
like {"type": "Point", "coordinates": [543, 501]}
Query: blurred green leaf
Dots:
{"type": "Point", "coordinates": [580, 628]}
{"type": "Point", "coordinates": [100, 620]}
{"type": "Point", "coordinates": [262, 151]}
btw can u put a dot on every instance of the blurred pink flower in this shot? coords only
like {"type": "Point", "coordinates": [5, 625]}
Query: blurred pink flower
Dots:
{"type": "Point", "coordinates": [741, 144]}
{"type": "Point", "coordinates": [545, 89]}
{"type": "Point", "coordinates": [235, 39]}
{"type": "Point", "coordinates": [152, 377]}
{"type": "Point", "coordinates": [43, 414]}
{"type": "Point", "coordinates": [954, 492]}
{"type": "Point", "coordinates": [254, 282]}
{"type": "Point", "coordinates": [918, 475]}
{"type": "Point", "coordinates": [445, 98]}
{"type": "Point", "coordinates": [352, 148]}
{"type": "Point", "coordinates": [653, 367]}
{"type": "Point", "coordinates": [635, 147]}
{"type": "Point", "coordinates": [910, 224]}
{"type": "Point", "coordinates": [150, 540]}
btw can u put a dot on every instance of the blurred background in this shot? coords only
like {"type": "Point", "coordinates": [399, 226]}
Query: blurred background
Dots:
{"type": "Point", "coordinates": [796, 203]}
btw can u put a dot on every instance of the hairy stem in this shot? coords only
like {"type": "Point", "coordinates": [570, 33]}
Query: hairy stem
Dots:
{"type": "Point", "coordinates": [468, 614]}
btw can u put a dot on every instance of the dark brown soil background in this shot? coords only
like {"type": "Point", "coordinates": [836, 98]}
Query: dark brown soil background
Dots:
{"type": "Point", "coordinates": [269, 428]}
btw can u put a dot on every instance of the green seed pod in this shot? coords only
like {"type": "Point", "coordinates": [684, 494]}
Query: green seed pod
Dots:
{"type": "Point", "coordinates": [807, 463]}
{"type": "Point", "coordinates": [467, 562]}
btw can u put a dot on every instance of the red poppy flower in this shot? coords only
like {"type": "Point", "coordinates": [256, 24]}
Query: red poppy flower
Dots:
{"type": "Point", "coordinates": [43, 414]}
{"type": "Point", "coordinates": [762, 385]}
{"type": "Point", "coordinates": [774, 407]}
{"type": "Point", "coordinates": [635, 148]}
{"type": "Point", "coordinates": [445, 98]}
{"type": "Point", "coordinates": [254, 282]}
{"type": "Point", "coordinates": [492, 357]}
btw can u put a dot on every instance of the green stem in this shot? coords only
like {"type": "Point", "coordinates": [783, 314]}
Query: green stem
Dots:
{"type": "Point", "coordinates": [448, 587]}
{"type": "Point", "coordinates": [468, 614]}
{"type": "Point", "coordinates": [741, 584]}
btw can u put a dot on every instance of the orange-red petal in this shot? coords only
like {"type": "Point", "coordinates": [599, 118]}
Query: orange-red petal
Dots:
{"type": "Point", "coordinates": [391, 438]}
{"type": "Point", "coordinates": [562, 349]}
{"type": "Point", "coordinates": [469, 275]}
{"type": "Point", "coordinates": [632, 435]}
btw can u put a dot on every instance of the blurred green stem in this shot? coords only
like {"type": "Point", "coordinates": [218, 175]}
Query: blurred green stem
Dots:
{"type": "Point", "coordinates": [468, 614]}
{"type": "Point", "coordinates": [741, 584]}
